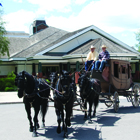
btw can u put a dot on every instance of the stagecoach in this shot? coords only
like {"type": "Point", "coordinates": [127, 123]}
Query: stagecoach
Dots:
{"type": "Point", "coordinates": [116, 81]}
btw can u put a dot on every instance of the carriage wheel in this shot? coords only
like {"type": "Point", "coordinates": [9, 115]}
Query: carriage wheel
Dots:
{"type": "Point", "coordinates": [116, 101]}
{"type": "Point", "coordinates": [109, 102]}
{"type": "Point", "coordinates": [135, 94]}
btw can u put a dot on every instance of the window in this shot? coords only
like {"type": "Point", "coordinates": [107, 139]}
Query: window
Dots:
{"type": "Point", "coordinates": [116, 73]}
{"type": "Point", "coordinates": [15, 69]}
{"type": "Point", "coordinates": [46, 70]}
{"type": "Point", "coordinates": [123, 69]}
{"type": "Point", "coordinates": [128, 70]}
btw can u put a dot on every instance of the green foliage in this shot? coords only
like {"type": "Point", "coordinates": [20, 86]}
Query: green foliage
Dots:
{"type": "Point", "coordinates": [9, 89]}
{"type": "Point", "coordinates": [8, 83]}
{"type": "Point", "coordinates": [4, 42]}
{"type": "Point", "coordinates": [11, 75]}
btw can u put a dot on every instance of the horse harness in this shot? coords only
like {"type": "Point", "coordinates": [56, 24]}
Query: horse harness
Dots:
{"type": "Point", "coordinates": [35, 92]}
{"type": "Point", "coordinates": [90, 88]}
{"type": "Point", "coordinates": [58, 95]}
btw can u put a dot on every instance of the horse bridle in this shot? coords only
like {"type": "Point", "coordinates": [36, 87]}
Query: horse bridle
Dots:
{"type": "Point", "coordinates": [66, 85]}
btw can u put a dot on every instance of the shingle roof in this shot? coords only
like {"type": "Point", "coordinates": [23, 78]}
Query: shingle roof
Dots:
{"type": "Point", "coordinates": [35, 42]}
{"type": "Point", "coordinates": [29, 47]}
{"type": "Point", "coordinates": [43, 40]}
{"type": "Point", "coordinates": [111, 47]}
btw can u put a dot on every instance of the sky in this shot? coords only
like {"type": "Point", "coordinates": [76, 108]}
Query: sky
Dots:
{"type": "Point", "coordinates": [119, 18]}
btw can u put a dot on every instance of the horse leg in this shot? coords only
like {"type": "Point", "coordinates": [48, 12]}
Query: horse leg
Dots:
{"type": "Point", "coordinates": [96, 101]}
{"type": "Point", "coordinates": [58, 120]}
{"type": "Point", "coordinates": [67, 122]}
{"type": "Point", "coordinates": [65, 128]}
{"type": "Point", "coordinates": [62, 117]}
{"type": "Point", "coordinates": [85, 106]}
{"type": "Point", "coordinates": [89, 112]}
{"type": "Point", "coordinates": [44, 107]}
{"type": "Point", "coordinates": [37, 108]}
{"type": "Point", "coordinates": [28, 110]}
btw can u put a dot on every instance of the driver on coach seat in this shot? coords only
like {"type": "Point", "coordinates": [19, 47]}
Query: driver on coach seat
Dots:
{"type": "Point", "coordinates": [103, 56]}
{"type": "Point", "coordinates": [91, 58]}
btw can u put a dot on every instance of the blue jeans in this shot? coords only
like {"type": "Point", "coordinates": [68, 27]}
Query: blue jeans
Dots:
{"type": "Point", "coordinates": [101, 64]}
{"type": "Point", "coordinates": [88, 63]}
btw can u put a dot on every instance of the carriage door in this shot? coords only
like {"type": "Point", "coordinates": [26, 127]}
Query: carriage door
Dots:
{"type": "Point", "coordinates": [124, 75]}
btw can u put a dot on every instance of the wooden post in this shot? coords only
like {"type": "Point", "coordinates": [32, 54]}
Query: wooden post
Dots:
{"type": "Point", "coordinates": [77, 66]}
{"type": "Point", "coordinates": [68, 66]}
{"type": "Point", "coordinates": [40, 70]}
{"type": "Point", "coordinates": [137, 70]}
{"type": "Point", "coordinates": [33, 69]}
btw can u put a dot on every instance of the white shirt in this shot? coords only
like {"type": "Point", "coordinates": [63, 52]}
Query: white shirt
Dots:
{"type": "Point", "coordinates": [92, 56]}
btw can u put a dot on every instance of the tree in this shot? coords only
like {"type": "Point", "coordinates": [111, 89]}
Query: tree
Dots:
{"type": "Point", "coordinates": [138, 39]}
{"type": "Point", "coordinates": [4, 49]}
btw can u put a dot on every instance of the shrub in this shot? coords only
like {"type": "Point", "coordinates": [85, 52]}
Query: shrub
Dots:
{"type": "Point", "coordinates": [8, 83]}
{"type": "Point", "coordinates": [9, 89]}
{"type": "Point", "coordinates": [2, 84]}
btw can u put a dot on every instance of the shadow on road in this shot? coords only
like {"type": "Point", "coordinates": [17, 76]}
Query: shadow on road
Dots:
{"type": "Point", "coordinates": [129, 110]}
{"type": "Point", "coordinates": [109, 117]}
{"type": "Point", "coordinates": [79, 130]}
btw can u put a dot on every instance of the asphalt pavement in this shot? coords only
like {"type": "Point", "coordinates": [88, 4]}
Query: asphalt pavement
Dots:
{"type": "Point", "coordinates": [107, 125]}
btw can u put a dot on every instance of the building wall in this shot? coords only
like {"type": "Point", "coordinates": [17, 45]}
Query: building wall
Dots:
{"type": "Point", "coordinates": [6, 68]}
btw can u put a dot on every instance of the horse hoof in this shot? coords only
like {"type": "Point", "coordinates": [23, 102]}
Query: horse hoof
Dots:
{"type": "Point", "coordinates": [65, 135]}
{"type": "Point", "coordinates": [58, 130]}
{"type": "Point", "coordinates": [85, 118]}
{"type": "Point", "coordinates": [69, 124]}
{"type": "Point", "coordinates": [34, 134]}
{"type": "Point", "coordinates": [90, 121]}
{"type": "Point", "coordinates": [31, 129]}
{"type": "Point", "coordinates": [43, 125]}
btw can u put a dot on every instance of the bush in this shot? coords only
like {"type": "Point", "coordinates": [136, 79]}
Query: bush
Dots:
{"type": "Point", "coordinates": [9, 89]}
{"type": "Point", "coordinates": [8, 83]}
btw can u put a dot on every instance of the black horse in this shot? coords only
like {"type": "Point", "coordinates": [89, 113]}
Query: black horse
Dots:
{"type": "Point", "coordinates": [53, 77]}
{"type": "Point", "coordinates": [63, 100]}
{"type": "Point", "coordinates": [32, 92]}
{"type": "Point", "coordinates": [89, 89]}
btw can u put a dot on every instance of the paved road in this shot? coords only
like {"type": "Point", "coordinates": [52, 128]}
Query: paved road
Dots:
{"type": "Point", "coordinates": [106, 126]}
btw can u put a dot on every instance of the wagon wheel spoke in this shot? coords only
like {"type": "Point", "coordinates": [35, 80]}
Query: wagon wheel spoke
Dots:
{"type": "Point", "coordinates": [129, 99]}
{"type": "Point", "coordinates": [108, 101]}
{"type": "Point", "coordinates": [135, 95]}
{"type": "Point", "coordinates": [116, 101]}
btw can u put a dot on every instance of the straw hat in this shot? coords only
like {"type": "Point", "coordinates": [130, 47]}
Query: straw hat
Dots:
{"type": "Point", "coordinates": [92, 47]}
{"type": "Point", "coordinates": [103, 46]}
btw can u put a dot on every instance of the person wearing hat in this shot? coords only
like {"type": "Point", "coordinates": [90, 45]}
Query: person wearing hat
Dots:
{"type": "Point", "coordinates": [103, 56]}
{"type": "Point", "coordinates": [91, 58]}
